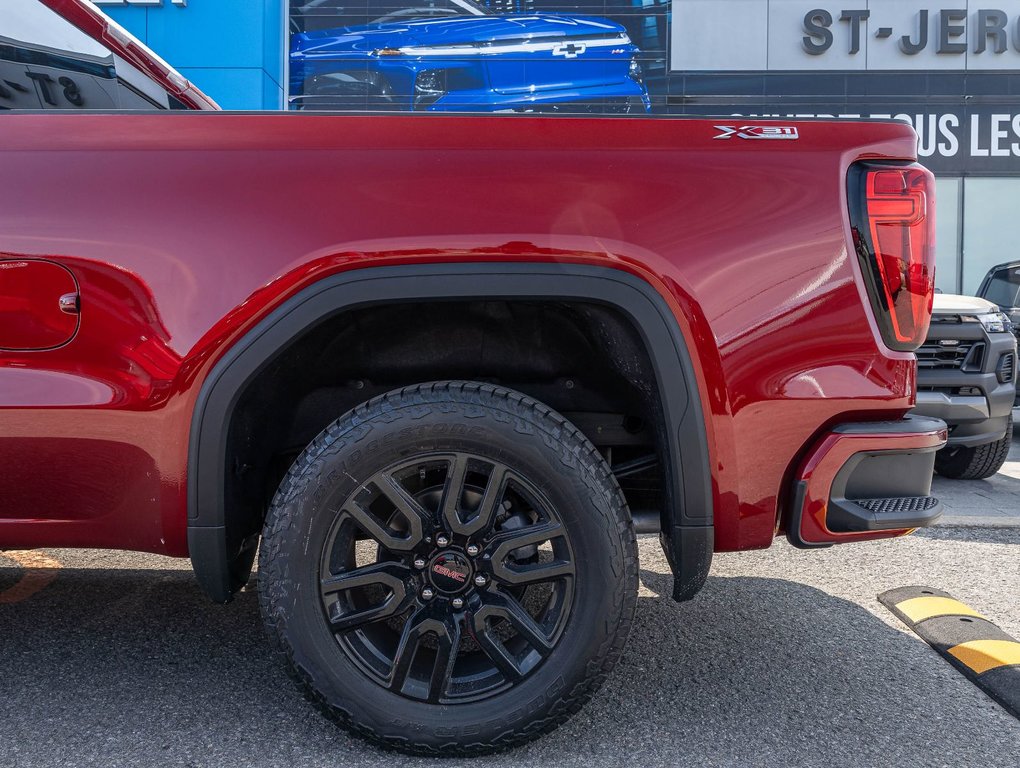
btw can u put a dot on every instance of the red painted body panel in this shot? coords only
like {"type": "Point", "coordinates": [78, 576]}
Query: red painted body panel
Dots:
{"type": "Point", "coordinates": [30, 314]}
{"type": "Point", "coordinates": [820, 467]}
{"type": "Point", "coordinates": [183, 230]}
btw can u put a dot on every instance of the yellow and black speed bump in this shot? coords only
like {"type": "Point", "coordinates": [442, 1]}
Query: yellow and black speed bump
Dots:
{"type": "Point", "coordinates": [980, 650]}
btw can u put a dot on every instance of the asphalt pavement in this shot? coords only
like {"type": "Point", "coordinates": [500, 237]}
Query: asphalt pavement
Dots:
{"type": "Point", "coordinates": [786, 658]}
{"type": "Point", "coordinates": [991, 502]}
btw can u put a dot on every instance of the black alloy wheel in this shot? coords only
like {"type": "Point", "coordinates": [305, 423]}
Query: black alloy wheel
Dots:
{"type": "Point", "coordinates": [449, 569]}
{"type": "Point", "coordinates": [440, 612]}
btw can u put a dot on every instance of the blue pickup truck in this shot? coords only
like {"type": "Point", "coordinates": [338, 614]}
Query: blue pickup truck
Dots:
{"type": "Point", "coordinates": [454, 55]}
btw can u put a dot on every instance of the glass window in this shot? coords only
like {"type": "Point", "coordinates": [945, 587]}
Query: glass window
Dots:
{"type": "Point", "coordinates": [947, 235]}
{"type": "Point", "coordinates": [989, 227]}
{"type": "Point", "coordinates": [531, 56]}
{"type": "Point", "coordinates": [1004, 288]}
{"type": "Point", "coordinates": [48, 63]}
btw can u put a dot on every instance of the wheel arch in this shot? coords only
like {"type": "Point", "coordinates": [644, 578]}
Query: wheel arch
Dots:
{"type": "Point", "coordinates": [222, 556]}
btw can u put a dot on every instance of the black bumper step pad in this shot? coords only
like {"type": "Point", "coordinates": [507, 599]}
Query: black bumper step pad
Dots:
{"type": "Point", "coordinates": [903, 504]}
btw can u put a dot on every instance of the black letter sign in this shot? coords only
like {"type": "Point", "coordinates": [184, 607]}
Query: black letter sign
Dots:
{"type": "Point", "coordinates": [908, 46]}
{"type": "Point", "coordinates": [991, 24]}
{"type": "Point", "coordinates": [855, 18]}
{"type": "Point", "coordinates": [947, 30]}
{"type": "Point", "coordinates": [816, 24]}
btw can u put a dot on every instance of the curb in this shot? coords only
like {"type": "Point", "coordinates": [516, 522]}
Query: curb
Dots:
{"type": "Point", "coordinates": [977, 521]}
{"type": "Point", "coordinates": [970, 642]}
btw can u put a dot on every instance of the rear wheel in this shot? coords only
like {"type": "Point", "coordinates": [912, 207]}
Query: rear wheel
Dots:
{"type": "Point", "coordinates": [977, 463]}
{"type": "Point", "coordinates": [449, 568]}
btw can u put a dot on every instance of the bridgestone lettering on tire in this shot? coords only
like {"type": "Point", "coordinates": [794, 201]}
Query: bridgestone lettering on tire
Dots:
{"type": "Point", "coordinates": [449, 568]}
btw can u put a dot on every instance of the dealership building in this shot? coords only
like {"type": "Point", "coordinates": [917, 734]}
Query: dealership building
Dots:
{"type": "Point", "coordinates": [954, 73]}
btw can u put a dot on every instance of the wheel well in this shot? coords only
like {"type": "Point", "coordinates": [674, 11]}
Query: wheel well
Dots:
{"type": "Point", "coordinates": [585, 360]}
{"type": "Point", "coordinates": [598, 344]}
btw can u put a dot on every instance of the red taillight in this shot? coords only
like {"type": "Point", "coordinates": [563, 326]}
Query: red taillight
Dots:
{"type": "Point", "coordinates": [897, 240]}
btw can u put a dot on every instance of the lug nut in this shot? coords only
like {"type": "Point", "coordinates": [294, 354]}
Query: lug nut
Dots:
{"type": "Point", "coordinates": [457, 603]}
{"type": "Point", "coordinates": [442, 540]}
{"type": "Point", "coordinates": [427, 593]}
{"type": "Point", "coordinates": [419, 563]}
{"type": "Point", "coordinates": [480, 580]}
{"type": "Point", "coordinates": [472, 550]}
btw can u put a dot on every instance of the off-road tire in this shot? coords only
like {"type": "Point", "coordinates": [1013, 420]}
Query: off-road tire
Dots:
{"type": "Point", "coordinates": [977, 463]}
{"type": "Point", "coordinates": [449, 416]}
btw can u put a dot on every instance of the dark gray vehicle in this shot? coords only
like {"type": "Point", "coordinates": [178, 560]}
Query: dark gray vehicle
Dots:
{"type": "Point", "coordinates": [966, 376]}
{"type": "Point", "coordinates": [1001, 286]}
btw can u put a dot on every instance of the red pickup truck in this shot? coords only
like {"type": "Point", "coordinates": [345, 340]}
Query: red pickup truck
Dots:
{"type": "Point", "coordinates": [437, 372]}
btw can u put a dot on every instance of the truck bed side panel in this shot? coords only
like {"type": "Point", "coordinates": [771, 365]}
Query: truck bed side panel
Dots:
{"type": "Point", "coordinates": [183, 230]}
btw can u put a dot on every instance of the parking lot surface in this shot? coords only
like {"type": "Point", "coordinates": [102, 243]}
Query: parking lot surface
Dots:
{"type": "Point", "coordinates": [991, 502]}
{"type": "Point", "coordinates": [786, 658]}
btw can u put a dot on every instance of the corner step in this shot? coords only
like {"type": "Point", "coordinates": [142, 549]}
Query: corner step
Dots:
{"type": "Point", "coordinates": [900, 512]}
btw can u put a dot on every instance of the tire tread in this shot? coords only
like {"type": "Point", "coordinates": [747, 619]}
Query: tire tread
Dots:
{"type": "Point", "coordinates": [978, 463]}
{"type": "Point", "coordinates": [575, 449]}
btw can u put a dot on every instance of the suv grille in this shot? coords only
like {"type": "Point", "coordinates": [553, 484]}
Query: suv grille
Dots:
{"type": "Point", "coordinates": [949, 356]}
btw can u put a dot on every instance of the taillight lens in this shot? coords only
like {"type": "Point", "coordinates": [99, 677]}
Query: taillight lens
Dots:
{"type": "Point", "coordinates": [893, 214]}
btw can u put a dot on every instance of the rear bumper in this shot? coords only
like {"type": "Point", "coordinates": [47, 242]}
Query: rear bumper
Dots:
{"type": "Point", "coordinates": [866, 481]}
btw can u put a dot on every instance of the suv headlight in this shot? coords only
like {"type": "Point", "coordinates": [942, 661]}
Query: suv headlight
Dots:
{"type": "Point", "coordinates": [995, 322]}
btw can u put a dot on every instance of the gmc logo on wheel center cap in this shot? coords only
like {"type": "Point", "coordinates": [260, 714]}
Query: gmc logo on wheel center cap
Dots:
{"type": "Point", "coordinates": [449, 573]}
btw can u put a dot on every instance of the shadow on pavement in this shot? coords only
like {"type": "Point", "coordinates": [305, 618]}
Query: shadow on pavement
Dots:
{"type": "Point", "coordinates": [138, 668]}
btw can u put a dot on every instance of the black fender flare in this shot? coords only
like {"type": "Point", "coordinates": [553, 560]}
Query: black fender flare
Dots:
{"type": "Point", "coordinates": [222, 558]}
